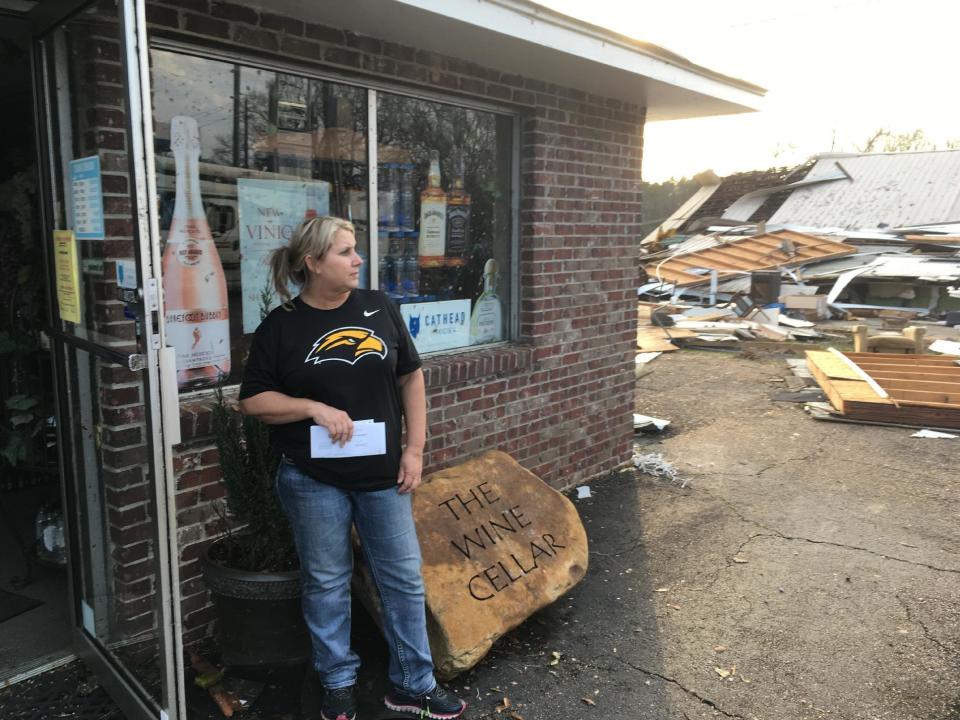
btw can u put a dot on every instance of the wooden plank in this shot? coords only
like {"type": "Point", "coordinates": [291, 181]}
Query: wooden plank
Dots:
{"type": "Point", "coordinates": [861, 373]}
{"type": "Point", "coordinates": [657, 339]}
{"type": "Point", "coordinates": [909, 414]}
{"type": "Point", "coordinates": [896, 375]}
{"type": "Point", "coordinates": [831, 366]}
{"type": "Point", "coordinates": [926, 397]}
{"type": "Point", "coordinates": [926, 385]}
{"type": "Point", "coordinates": [665, 333]}
{"type": "Point", "coordinates": [747, 254]}
{"type": "Point", "coordinates": [902, 359]}
{"type": "Point", "coordinates": [827, 385]}
{"type": "Point", "coordinates": [890, 368]}
{"type": "Point", "coordinates": [841, 391]}
{"type": "Point", "coordinates": [713, 258]}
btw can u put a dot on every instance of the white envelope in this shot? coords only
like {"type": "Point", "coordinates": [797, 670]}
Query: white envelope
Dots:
{"type": "Point", "coordinates": [369, 438]}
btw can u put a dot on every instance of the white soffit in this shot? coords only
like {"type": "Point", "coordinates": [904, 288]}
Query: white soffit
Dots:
{"type": "Point", "coordinates": [521, 37]}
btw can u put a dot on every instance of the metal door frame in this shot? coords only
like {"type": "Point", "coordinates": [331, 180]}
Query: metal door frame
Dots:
{"type": "Point", "coordinates": [161, 394]}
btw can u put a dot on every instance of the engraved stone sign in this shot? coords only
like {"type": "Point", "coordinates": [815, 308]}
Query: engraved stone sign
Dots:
{"type": "Point", "coordinates": [498, 544]}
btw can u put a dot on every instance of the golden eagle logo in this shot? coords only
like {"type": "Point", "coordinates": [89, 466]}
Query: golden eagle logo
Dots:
{"type": "Point", "coordinates": [346, 344]}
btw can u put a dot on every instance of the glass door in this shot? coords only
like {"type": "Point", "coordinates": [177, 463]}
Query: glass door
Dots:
{"type": "Point", "coordinates": [117, 389]}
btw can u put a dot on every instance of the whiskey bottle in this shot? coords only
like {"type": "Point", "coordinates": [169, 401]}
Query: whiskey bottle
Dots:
{"type": "Point", "coordinates": [196, 311]}
{"type": "Point", "coordinates": [433, 217]}
{"type": "Point", "coordinates": [458, 222]}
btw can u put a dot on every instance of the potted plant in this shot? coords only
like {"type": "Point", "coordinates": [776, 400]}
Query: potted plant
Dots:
{"type": "Point", "coordinates": [252, 570]}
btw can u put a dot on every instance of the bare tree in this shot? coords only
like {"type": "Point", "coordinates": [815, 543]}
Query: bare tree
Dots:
{"type": "Point", "coordinates": [883, 140]}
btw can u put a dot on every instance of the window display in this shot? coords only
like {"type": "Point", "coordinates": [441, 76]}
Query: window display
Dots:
{"type": "Point", "coordinates": [245, 154]}
{"type": "Point", "coordinates": [444, 264]}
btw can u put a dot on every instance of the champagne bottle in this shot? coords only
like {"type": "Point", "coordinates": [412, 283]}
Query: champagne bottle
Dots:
{"type": "Point", "coordinates": [458, 221]}
{"type": "Point", "coordinates": [196, 311]}
{"type": "Point", "coordinates": [486, 320]}
{"type": "Point", "coordinates": [433, 217]}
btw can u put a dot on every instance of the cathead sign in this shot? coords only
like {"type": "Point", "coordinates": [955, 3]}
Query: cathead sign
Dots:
{"type": "Point", "coordinates": [439, 325]}
{"type": "Point", "coordinates": [498, 544]}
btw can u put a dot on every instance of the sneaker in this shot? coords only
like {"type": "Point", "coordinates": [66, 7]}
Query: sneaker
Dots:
{"type": "Point", "coordinates": [439, 703]}
{"type": "Point", "coordinates": [339, 704]}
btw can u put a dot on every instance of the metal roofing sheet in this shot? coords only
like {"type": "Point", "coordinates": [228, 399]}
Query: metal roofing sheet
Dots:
{"type": "Point", "coordinates": [745, 254]}
{"type": "Point", "coordinates": [885, 190]}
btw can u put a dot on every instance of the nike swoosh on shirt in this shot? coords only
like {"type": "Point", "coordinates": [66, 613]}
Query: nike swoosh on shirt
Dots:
{"type": "Point", "coordinates": [368, 313]}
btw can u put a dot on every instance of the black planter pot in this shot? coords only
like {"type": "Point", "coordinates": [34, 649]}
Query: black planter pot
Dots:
{"type": "Point", "coordinates": [259, 617]}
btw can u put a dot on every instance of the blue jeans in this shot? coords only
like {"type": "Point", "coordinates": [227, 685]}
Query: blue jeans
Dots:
{"type": "Point", "coordinates": [321, 516]}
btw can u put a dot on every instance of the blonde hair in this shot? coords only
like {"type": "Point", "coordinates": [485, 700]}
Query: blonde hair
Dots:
{"type": "Point", "coordinates": [312, 237]}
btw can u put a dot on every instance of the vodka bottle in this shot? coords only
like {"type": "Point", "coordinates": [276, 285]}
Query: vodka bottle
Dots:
{"type": "Point", "coordinates": [388, 196]}
{"type": "Point", "coordinates": [385, 266]}
{"type": "Point", "coordinates": [433, 217]}
{"type": "Point", "coordinates": [410, 268]}
{"type": "Point", "coordinates": [486, 320]}
{"type": "Point", "coordinates": [196, 313]}
{"type": "Point", "coordinates": [395, 267]}
{"type": "Point", "coordinates": [407, 198]}
{"type": "Point", "coordinates": [458, 221]}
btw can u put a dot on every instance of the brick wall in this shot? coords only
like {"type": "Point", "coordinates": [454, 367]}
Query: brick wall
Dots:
{"type": "Point", "coordinates": [559, 401]}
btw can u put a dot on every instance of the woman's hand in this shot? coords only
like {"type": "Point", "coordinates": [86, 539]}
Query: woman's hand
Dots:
{"type": "Point", "coordinates": [411, 467]}
{"type": "Point", "coordinates": [337, 422]}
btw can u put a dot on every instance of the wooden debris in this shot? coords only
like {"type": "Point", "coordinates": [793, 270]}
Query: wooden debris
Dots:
{"type": "Point", "coordinates": [921, 390]}
{"type": "Point", "coordinates": [743, 255]}
{"type": "Point", "coordinates": [209, 676]}
{"type": "Point", "coordinates": [656, 339]}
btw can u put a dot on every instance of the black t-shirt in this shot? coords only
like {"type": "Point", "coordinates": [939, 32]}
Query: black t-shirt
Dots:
{"type": "Point", "coordinates": [348, 358]}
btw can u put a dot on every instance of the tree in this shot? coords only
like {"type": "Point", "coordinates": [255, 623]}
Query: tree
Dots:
{"type": "Point", "coordinates": [661, 199]}
{"type": "Point", "coordinates": [883, 140]}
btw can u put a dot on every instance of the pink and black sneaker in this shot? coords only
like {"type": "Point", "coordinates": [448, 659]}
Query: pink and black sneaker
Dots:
{"type": "Point", "coordinates": [439, 703]}
{"type": "Point", "coordinates": [339, 704]}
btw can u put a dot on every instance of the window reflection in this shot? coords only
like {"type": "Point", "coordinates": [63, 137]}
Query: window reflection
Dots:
{"type": "Point", "coordinates": [443, 219]}
{"type": "Point", "coordinates": [276, 148]}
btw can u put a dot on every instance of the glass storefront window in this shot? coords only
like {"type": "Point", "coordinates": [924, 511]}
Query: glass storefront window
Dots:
{"type": "Point", "coordinates": [444, 219]}
{"type": "Point", "coordinates": [245, 154]}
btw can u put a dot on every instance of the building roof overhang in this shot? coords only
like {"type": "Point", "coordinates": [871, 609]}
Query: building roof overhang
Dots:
{"type": "Point", "coordinates": [518, 37]}
{"type": "Point", "coordinates": [524, 38]}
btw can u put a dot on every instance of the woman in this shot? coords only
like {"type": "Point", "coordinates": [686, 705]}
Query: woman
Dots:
{"type": "Point", "coordinates": [334, 356]}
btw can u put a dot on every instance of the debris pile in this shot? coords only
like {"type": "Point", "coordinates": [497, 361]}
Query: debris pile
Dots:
{"type": "Point", "coordinates": [858, 251]}
{"type": "Point", "coordinates": [736, 285]}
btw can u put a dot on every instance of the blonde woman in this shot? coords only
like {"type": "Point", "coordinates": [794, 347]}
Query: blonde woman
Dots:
{"type": "Point", "coordinates": [332, 356]}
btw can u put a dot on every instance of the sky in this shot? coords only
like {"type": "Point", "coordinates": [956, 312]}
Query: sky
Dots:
{"type": "Point", "coordinates": [835, 72]}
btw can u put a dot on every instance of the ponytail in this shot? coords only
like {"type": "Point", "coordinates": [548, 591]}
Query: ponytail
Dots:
{"type": "Point", "coordinates": [281, 273]}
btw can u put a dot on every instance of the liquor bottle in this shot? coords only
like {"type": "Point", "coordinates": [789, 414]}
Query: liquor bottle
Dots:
{"type": "Point", "coordinates": [395, 267]}
{"type": "Point", "coordinates": [486, 320]}
{"type": "Point", "coordinates": [458, 221]}
{"type": "Point", "coordinates": [388, 196]}
{"type": "Point", "coordinates": [386, 264]}
{"type": "Point", "coordinates": [407, 203]}
{"type": "Point", "coordinates": [410, 267]}
{"type": "Point", "coordinates": [196, 311]}
{"type": "Point", "coordinates": [433, 217]}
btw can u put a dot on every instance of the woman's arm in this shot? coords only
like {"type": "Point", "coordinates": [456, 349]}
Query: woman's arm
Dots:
{"type": "Point", "coordinates": [275, 408]}
{"type": "Point", "coordinates": [413, 394]}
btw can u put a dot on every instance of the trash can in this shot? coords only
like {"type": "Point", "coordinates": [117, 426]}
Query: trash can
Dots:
{"type": "Point", "coordinates": [765, 287]}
